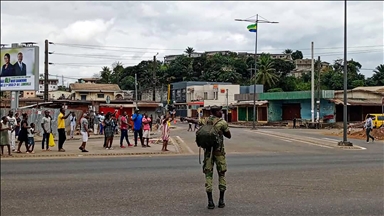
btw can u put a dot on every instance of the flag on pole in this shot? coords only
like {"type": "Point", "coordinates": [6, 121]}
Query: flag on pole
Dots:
{"type": "Point", "coordinates": [252, 28]}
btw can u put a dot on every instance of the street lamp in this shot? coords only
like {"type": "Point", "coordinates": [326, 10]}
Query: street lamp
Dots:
{"type": "Point", "coordinates": [345, 142]}
{"type": "Point", "coordinates": [255, 29]}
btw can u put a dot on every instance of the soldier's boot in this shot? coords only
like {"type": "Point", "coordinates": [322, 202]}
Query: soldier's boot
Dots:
{"type": "Point", "coordinates": [221, 200]}
{"type": "Point", "coordinates": [211, 204]}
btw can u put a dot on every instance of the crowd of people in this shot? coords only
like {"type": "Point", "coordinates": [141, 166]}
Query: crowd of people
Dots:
{"type": "Point", "coordinates": [12, 127]}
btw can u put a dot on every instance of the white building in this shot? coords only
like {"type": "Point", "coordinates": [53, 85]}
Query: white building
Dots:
{"type": "Point", "coordinates": [52, 86]}
{"type": "Point", "coordinates": [209, 95]}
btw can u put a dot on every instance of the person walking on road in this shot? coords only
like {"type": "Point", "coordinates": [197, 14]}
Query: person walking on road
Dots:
{"type": "Point", "coordinates": [11, 133]}
{"type": "Point", "coordinates": [46, 125]}
{"type": "Point", "coordinates": [166, 124]}
{"type": "Point", "coordinates": [124, 130]}
{"type": "Point", "coordinates": [147, 128]}
{"type": "Point", "coordinates": [84, 130]}
{"type": "Point", "coordinates": [73, 121]}
{"type": "Point", "coordinates": [137, 119]}
{"type": "Point", "coordinates": [368, 128]}
{"type": "Point", "coordinates": [216, 155]}
{"type": "Point", "coordinates": [23, 134]}
{"type": "Point", "coordinates": [4, 135]}
{"type": "Point", "coordinates": [61, 128]}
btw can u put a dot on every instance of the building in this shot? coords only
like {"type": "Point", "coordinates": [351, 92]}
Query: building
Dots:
{"type": "Point", "coordinates": [169, 58]}
{"type": "Point", "coordinates": [304, 66]}
{"type": "Point", "coordinates": [88, 80]}
{"type": "Point", "coordinates": [160, 95]}
{"type": "Point", "coordinates": [95, 92]}
{"type": "Point", "coordinates": [199, 96]}
{"type": "Point", "coordinates": [52, 86]}
{"type": "Point", "coordinates": [361, 101]}
{"type": "Point", "coordinates": [196, 98]}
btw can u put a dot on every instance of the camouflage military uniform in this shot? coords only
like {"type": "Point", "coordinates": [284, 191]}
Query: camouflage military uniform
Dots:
{"type": "Point", "coordinates": [217, 158]}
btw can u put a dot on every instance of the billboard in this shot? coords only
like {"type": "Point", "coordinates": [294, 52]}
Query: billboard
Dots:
{"type": "Point", "coordinates": [19, 69]}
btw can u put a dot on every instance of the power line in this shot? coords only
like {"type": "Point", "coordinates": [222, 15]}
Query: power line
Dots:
{"type": "Point", "coordinates": [100, 56]}
{"type": "Point", "coordinates": [102, 47]}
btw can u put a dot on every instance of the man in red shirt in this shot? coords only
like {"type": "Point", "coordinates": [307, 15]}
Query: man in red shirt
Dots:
{"type": "Point", "coordinates": [124, 130]}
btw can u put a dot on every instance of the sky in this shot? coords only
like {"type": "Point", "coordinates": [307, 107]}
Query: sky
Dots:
{"type": "Point", "coordinates": [89, 35]}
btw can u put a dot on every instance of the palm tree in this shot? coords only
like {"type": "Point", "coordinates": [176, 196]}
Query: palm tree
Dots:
{"type": "Point", "coordinates": [378, 75]}
{"type": "Point", "coordinates": [189, 51]}
{"type": "Point", "coordinates": [106, 75]}
{"type": "Point", "coordinates": [265, 72]}
{"type": "Point", "coordinates": [288, 51]}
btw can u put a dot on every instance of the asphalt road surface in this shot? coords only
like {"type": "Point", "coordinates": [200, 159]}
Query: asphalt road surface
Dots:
{"type": "Point", "coordinates": [278, 184]}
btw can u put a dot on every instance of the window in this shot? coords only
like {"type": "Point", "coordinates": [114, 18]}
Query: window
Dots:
{"type": "Point", "coordinates": [100, 95]}
{"type": "Point", "coordinates": [216, 95]}
{"type": "Point", "coordinates": [83, 97]}
{"type": "Point", "coordinates": [205, 95]}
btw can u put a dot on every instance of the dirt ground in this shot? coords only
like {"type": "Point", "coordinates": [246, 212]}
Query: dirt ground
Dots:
{"type": "Point", "coordinates": [359, 133]}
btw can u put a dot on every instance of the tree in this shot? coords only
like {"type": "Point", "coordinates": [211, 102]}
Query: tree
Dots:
{"type": "Point", "coordinates": [297, 55]}
{"type": "Point", "coordinates": [288, 51]}
{"type": "Point", "coordinates": [378, 75]}
{"type": "Point", "coordinates": [265, 72]}
{"type": "Point", "coordinates": [189, 51]}
{"type": "Point", "coordinates": [105, 75]}
{"type": "Point", "coordinates": [283, 67]}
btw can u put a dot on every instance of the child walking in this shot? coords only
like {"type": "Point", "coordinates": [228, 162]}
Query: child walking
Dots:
{"type": "Point", "coordinates": [31, 138]}
{"type": "Point", "coordinates": [4, 137]}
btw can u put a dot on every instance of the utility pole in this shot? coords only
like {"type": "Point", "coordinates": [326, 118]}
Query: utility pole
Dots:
{"type": "Point", "coordinates": [345, 142]}
{"type": "Point", "coordinates": [136, 89]}
{"type": "Point", "coordinates": [154, 77]}
{"type": "Point", "coordinates": [226, 95]}
{"type": "Point", "coordinates": [62, 81]}
{"type": "Point", "coordinates": [46, 71]}
{"type": "Point", "coordinates": [318, 89]}
{"type": "Point", "coordinates": [312, 84]}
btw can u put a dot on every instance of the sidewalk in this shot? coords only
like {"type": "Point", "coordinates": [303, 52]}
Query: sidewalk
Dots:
{"type": "Point", "coordinates": [95, 148]}
{"type": "Point", "coordinates": [92, 136]}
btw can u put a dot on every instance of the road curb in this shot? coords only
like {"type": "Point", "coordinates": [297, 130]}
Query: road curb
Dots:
{"type": "Point", "coordinates": [86, 155]}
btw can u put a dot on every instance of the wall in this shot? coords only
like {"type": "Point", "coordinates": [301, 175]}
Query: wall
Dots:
{"type": "Point", "coordinates": [93, 96]}
{"type": "Point", "coordinates": [221, 100]}
{"type": "Point", "coordinates": [196, 94]}
{"type": "Point", "coordinates": [275, 109]}
{"type": "Point", "coordinates": [57, 94]}
{"type": "Point", "coordinates": [36, 115]}
{"type": "Point", "coordinates": [160, 95]}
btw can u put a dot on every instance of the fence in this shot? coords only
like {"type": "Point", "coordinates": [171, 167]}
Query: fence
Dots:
{"type": "Point", "coordinates": [36, 115]}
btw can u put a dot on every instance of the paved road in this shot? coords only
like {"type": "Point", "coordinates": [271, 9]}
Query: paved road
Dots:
{"type": "Point", "coordinates": [279, 184]}
{"type": "Point", "coordinates": [264, 141]}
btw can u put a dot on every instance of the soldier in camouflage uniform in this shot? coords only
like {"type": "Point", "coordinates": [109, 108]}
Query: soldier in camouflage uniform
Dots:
{"type": "Point", "coordinates": [218, 157]}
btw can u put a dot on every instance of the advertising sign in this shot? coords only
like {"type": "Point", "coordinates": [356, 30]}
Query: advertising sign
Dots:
{"type": "Point", "coordinates": [19, 69]}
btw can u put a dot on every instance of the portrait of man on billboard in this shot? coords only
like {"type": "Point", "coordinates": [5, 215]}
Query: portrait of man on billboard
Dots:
{"type": "Point", "coordinates": [18, 62]}
{"type": "Point", "coordinates": [20, 66]}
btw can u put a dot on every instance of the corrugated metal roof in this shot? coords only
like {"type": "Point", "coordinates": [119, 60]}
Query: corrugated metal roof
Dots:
{"type": "Point", "coordinates": [355, 102]}
{"type": "Point", "coordinates": [250, 103]}
{"type": "Point", "coordinates": [370, 88]}
{"type": "Point", "coordinates": [94, 86]}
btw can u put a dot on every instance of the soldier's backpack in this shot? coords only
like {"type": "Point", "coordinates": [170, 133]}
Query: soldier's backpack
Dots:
{"type": "Point", "coordinates": [207, 136]}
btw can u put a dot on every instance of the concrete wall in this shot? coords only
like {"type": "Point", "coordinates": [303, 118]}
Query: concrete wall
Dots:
{"type": "Point", "coordinates": [221, 99]}
{"type": "Point", "coordinates": [275, 109]}
{"type": "Point", "coordinates": [92, 96]}
{"type": "Point", "coordinates": [160, 96]}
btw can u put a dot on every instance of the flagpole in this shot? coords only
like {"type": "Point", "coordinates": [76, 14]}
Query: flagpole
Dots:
{"type": "Point", "coordinates": [254, 75]}
{"type": "Point", "coordinates": [256, 22]}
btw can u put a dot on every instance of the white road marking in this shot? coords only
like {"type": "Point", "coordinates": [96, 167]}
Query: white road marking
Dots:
{"type": "Point", "coordinates": [295, 140]}
{"type": "Point", "coordinates": [331, 139]}
{"type": "Point", "coordinates": [186, 146]}
{"type": "Point", "coordinates": [286, 140]}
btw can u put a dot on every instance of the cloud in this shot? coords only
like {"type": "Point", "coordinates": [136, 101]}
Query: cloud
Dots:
{"type": "Point", "coordinates": [86, 31]}
{"type": "Point", "coordinates": [169, 27]}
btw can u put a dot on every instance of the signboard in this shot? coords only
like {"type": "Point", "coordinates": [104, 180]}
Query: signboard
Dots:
{"type": "Point", "coordinates": [19, 69]}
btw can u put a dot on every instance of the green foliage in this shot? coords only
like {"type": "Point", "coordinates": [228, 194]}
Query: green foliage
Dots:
{"type": "Point", "coordinates": [274, 74]}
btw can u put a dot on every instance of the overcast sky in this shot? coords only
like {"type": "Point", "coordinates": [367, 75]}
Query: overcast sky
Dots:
{"type": "Point", "coordinates": [169, 27]}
